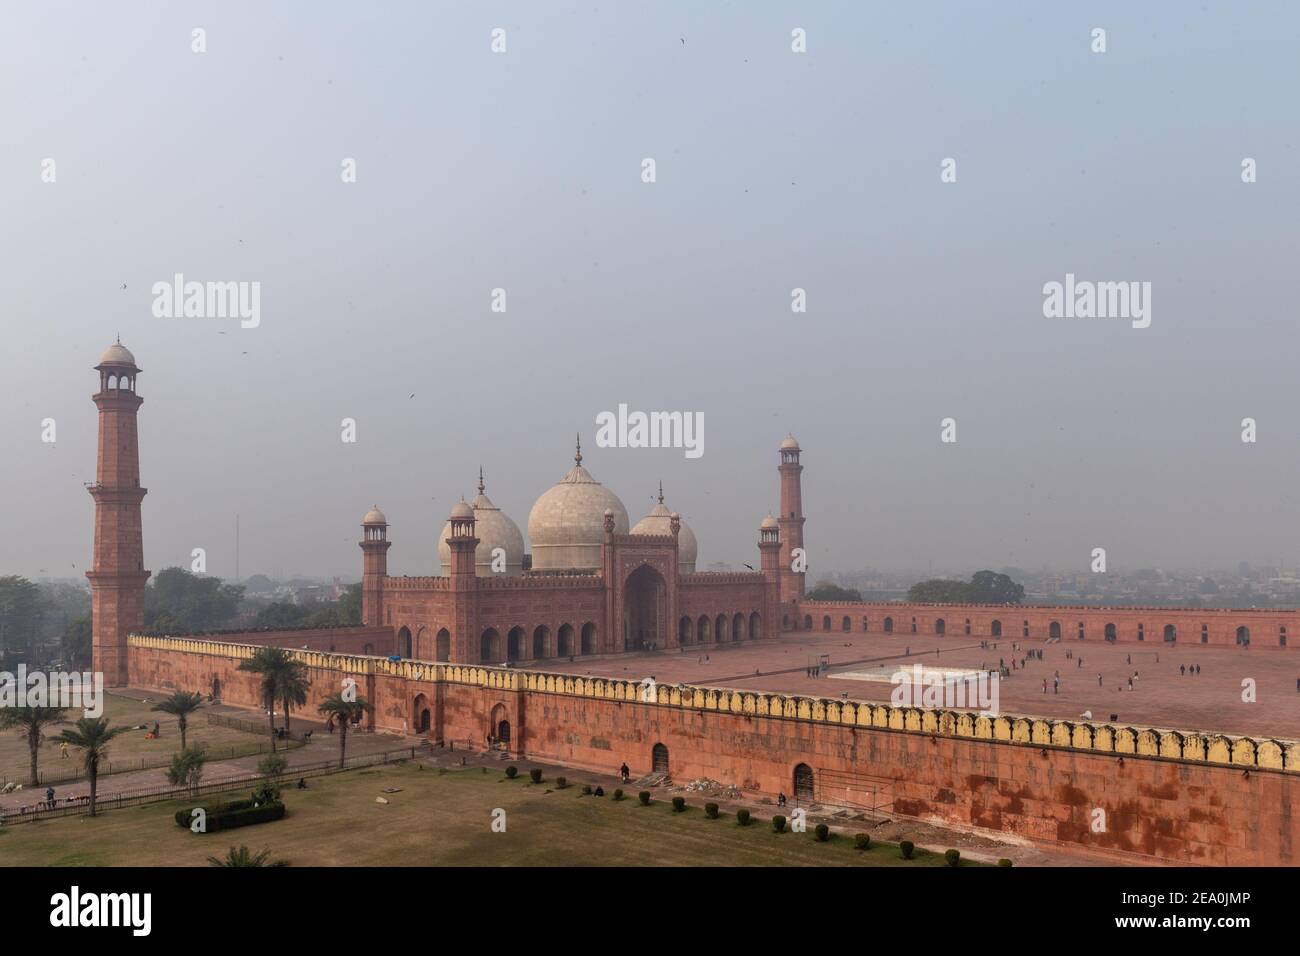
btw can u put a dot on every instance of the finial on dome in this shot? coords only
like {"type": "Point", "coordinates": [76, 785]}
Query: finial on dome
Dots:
{"type": "Point", "coordinates": [577, 456]}
{"type": "Point", "coordinates": [480, 479]}
{"type": "Point", "coordinates": [661, 491]}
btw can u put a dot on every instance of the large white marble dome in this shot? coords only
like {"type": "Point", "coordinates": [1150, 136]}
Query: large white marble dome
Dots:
{"type": "Point", "coordinates": [567, 524]}
{"type": "Point", "coordinates": [660, 521]}
{"type": "Point", "coordinates": [494, 529]}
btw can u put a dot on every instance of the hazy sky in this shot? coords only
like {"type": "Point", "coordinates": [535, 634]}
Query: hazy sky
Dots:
{"type": "Point", "coordinates": [775, 170]}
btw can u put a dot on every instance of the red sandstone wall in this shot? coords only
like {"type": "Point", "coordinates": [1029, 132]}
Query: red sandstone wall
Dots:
{"type": "Point", "coordinates": [1174, 810]}
{"type": "Point", "coordinates": [377, 641]}
{"type": "Point", "coordinates": [1265, 626]}
{"type": "Point", "coordinates": [1194, 813]}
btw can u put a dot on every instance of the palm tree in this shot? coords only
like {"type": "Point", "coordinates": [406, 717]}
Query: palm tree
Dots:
{"type": "Point", "coordinates": [241, 857]}
{"type": "Point", "coordinates": [270, 663]}
{"type": "Point", "coordinates": [293, 687]}
{"type": "Point", "coordinates": [343, 710]}
{"type": "Point", "coordinates": [180, 705]}
{"type": "Point", "coordinates": [92, 735]}
{"type": "Point", "coordinates": [31, 723]}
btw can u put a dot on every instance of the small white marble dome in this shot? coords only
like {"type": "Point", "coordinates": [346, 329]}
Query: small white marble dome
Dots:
{"type": "Point", "coordinates": [461, 510]}
{"type": "Point", "coordinates": [374, 516]}
{"type": "Point", "coordinates": [494, 529]}
{"type": "Point", "coordinates": [660, 521]}
{"type": "Point", "coordinates": [770, 524]}
{"type": "Point", "coordinates": [567, 523]}
{"type": "Point", "coordinates": [789, 444]}
{"type": "Point", "coordinates": [117, 354]}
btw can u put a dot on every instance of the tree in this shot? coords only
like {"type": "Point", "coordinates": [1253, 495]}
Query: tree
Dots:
{"type": "Point", "coordinates": [940, 591]}
{"type": "Point", "coordinates": [281, 615]}
{"type": "Point", "coordinates": [989, 587]}
{"type": "Point", "coordinates": [826, 591]}
{"type": "Point", "coordinates": [181, 602]}
{"type": "Point", "coordinates": [92, 736]}
{"type": "Point", "coordinates": [242, 857]}
{"type": "Point", "coordinates": [30, 723]}
{"type": "Point", "coordinates": [268, 663]}
{"type": "Point", "coordinates": [187, 767]}
{"type": "Point", "coordinates": [21, 613]}
{"type": "Point", "coordinates": [292, 684]}
{"type": "Point", "coordinates": [343, 711]}
{"type": "Point", "coordinates": [180, 705]}
{"type": "Point", "coordinates": [76, 642]}
{"type": "Point", "coordinates": [985, 587]}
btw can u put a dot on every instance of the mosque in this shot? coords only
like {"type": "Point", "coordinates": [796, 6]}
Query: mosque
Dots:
{"type": "Point", "coordinates": [590, 584]}
{"type": "Point", "coordinates": [483, 655]}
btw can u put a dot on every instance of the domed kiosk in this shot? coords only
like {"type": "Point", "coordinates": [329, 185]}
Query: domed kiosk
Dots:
{"type": "Point", "coordinates": [494, 529]}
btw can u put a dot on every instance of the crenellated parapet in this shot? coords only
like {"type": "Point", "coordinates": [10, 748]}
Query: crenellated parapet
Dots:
{"type": "Point", "coordinates": [429, 583]}
{"type": "Point", "coordinates": [713, 578]}
{"type": "Point", "coordinates": [1093, 737]}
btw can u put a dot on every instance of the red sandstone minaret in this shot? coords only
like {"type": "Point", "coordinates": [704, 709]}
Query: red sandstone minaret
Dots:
{"type": "Point", "coordinates": [117, 581]}
{"type": "Point", "coordinates": [374, 566]}
{"type": "Point", "coordinates": [464, 582]}
{"type": "Point", "coordinates": [769, 549]}
{"type": "Point", "coordinates": [791, 520]}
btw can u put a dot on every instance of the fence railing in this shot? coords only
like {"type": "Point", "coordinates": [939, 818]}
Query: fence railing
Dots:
{"type": "Point", "coordinates": [81, 805]}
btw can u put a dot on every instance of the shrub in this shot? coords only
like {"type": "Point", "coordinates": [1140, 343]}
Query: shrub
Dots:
{"type": "Point", "coordinates": [952, 856]}
{"type": "Point", "coordinates": [711, 811]}
{"type": "Point", "coordinates": [266, 792]}
{"type": "Point", "coordinates": [512, 771]}
{"type": "Point", "coordinates": [561, 782]}
{"type": "Point", "coordinates": [778, 823]}
{"type": "Point", "coordinates": [823, 833]}
{"type": "Point", "coordinates": [644, 797]}
{"type": "Point", "coordinates": [535, 775]}
{"type": "Point", "coordinates": [600, 791]}
{"type": "Point", "coordinates": [862, 841]}
{"type": "Point", "coordinates": [679, 804]}
{"type": "Point", "coordinates": [586, 788]}
{"type": "Point", "coordinates": [742, 817]}
{"type": "Point", "coordinates": [618, 794]}
{"type": "Point", "coordinates": [229, 816]}
{"type": "Point", "coordinates": [1004, 862]}
{"type": "Point", "coordinates": [907, 846]}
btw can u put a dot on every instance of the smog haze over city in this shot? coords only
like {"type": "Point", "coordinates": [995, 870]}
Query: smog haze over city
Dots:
{"type": "Point", "coordinates": [773, 173]}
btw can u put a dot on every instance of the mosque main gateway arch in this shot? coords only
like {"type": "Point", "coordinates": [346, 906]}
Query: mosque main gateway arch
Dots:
{"type": "Point", "coordinates": [645, 609]}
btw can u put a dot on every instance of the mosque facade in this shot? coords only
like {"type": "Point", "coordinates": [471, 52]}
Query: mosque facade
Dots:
{"type": "Point", "coordinates": [586, 582]}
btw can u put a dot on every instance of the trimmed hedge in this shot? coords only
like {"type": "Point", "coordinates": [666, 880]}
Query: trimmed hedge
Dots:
{"type": "Point", "coordinates": [952, 856]}
{"type": "Point", "coordinates": [230, 816]}
{"type": "Point", "coordinates": [711, 811]}
{"type": "Point", "coordinates": [823, 833]}
{"type": "Point", "coordinates": [512, 771]}
{"type": "Point", "coordinates": [778, 823]}
{"type": "Point", "coordinates": [679, 804]}
{"type": "Point", "coordinates": [907, 847]}
{"type": "Point", "coordinates": [644, 797]}
{"type": "Point", "coordinates": [862, 841]}
{"type": "Point", "coordinates": [742, 817]}
{"type": "Point", "coordinates": [535, 775]}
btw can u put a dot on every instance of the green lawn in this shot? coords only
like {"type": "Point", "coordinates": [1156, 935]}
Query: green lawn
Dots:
{"type": "Point", "coordinates": [441, 819]}
{"type": "Point", "coordinates": [129, 751]}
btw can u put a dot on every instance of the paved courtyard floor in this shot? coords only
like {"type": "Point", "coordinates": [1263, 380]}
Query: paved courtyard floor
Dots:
{"type": "Point", "coordinates": [1162, 696]}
